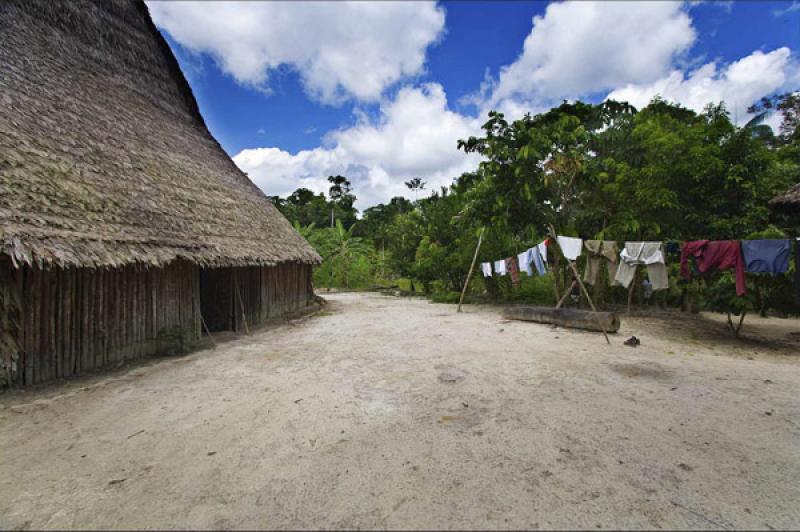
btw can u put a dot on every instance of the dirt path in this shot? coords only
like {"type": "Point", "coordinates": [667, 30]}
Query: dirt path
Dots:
{"type": "Point", "coordinates": [397, 413]}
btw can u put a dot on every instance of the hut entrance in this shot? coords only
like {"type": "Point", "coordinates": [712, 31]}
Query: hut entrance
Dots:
{"type": "Point", "coordinates": [216, 298]}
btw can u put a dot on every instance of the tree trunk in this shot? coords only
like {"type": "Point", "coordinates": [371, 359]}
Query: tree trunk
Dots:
{"type": "Point", "coordinates": [565, 317]}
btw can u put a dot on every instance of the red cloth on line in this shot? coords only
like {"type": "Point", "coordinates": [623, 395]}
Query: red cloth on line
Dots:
{"type": "Point", "coordinates": [513, 270]}
{"type": "Point", "coordinates": [715, 255]}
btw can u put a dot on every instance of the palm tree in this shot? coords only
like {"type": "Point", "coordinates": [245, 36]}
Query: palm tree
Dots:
{"type": "Point", "coordinates": [756, 128]}
{"type": "Point", "coordinates": [305, 231]}
{"type": "Point", "coordinates": [344, 248]}
{"type": "Point", "coordinates": [416, 184]}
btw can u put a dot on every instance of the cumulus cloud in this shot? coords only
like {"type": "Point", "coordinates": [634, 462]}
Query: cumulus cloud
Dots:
{"type": "Point", "coordinates": [794, 6]}
{"type": "Point", "coordinates": [628, 50]}
{"type": "Point", "coordinates": [580, 48]}
{"type": "Point", "coordinates": [738, 84]}
{"type": "Point", "coordinates": [415, 135]}
{"type": "Point", "coordinates": [340, 49]}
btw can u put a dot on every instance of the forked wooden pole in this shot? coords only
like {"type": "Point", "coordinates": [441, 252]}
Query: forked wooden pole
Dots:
{"type": "Point", "coordinates": [576, 279]}
{"type": "Point", "coordinates": [588, 298]}
{"type": "Point", "coordinates": [471, 267]}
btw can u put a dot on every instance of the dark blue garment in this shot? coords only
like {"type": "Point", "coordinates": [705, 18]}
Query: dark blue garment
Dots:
{"type": "Point", "coordinates": [766, 256]}
{"type": "Point", "coordinates": [797, 271]}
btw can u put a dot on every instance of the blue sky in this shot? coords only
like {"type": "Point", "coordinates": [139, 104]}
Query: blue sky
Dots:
{"type": "Point", "coordinates": [381, 92]}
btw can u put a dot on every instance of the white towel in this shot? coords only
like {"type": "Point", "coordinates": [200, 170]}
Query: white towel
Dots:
{"type": "Point", "coordinates": [570, 247]}
{"type": "Point", "coordinates": [500, 267]}
{"type": "Point", "coordinates": [486, 267]}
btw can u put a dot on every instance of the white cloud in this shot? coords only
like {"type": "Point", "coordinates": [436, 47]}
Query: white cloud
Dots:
{"type": "Point", "coordinates": [340, 49]}
{"type": "Point", "coordinates": [738, 84]}
{"type": "Point", "coordinates": [635, 50]}
{"type": "Point", "coordinates": [579, 48]}
{"type": "Point", "coordinates": [415, 135]}
{"type": "Point", "coordinates": [794, 6]}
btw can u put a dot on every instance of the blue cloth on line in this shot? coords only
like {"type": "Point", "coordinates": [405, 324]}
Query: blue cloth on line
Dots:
{"type": "Point", "coordinates": [538, 261]}
{"type": "Point", "coordinates": [766, 256]}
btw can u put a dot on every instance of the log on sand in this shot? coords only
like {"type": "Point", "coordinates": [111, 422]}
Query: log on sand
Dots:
{"type": "Point", "coordinates": [565, 317]}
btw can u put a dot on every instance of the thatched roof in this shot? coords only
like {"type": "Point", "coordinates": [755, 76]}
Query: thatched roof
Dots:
{"type": "Point", "coordinates": [790, 199]}
{"type": "Point", "coordinates": [104, 157]}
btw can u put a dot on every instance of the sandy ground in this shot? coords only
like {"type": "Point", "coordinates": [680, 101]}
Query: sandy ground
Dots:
{"type": "Point", "coordinates": [350, 419]}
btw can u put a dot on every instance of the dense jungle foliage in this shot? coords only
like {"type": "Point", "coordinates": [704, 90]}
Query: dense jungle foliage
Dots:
{"type": "Point", "coordinates": [604, 171]}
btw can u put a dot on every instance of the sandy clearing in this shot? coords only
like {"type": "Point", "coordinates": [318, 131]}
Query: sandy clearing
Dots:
{"type": "Point", "coordinates": [342, 421]}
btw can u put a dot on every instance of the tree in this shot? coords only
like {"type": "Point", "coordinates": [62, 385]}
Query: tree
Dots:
{"type": "Point", "coordinates": [416, 184]}
{"type": "Point", "coordinates": [788, 105]}
{"type": "Point", "coordinates": [341, 251]}
{"type": "Point", "coordinates": [376, 224]}
{"type": "Point", "coordinates": [341, 200]}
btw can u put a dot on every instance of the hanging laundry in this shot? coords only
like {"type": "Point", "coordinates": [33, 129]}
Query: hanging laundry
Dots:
{"type": "Point", "coordinates": [500, 267]}
{"type": "Point", "coordinates": [486, 268]}
{"type": "Point", "coordinates": [766, 256]}
{"type": "Point", "coordinates": [542, 247]}
{"type": "Point", "coordinates": [600, 251]}
{"type": "Point", "coordinates": [538, 261]}
{"type": "Point", "coordinates": [647, 288]}
{"type": "Point", "coordinates": [513, 270]}
{"type": "Point", "coordinates": [650, 254]}
{"type": "Point", "coordinates": [525, 259]}
{"type": "Point", "coordinates": [672, 247]}
{"type": "Point", "coordinates": [715, 255]}
{"type": "Point", "coordinates": [570, 246]}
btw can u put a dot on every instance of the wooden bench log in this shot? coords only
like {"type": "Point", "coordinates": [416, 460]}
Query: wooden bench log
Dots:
{"type": "Point", "coordinates": [565, 317]}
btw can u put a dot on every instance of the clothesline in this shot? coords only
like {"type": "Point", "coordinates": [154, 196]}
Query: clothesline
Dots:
{"type": "Point", "coordinates": [751, 256]}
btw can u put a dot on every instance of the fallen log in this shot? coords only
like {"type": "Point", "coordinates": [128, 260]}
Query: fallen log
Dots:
{"type": "Point", "coordinates": [565, 317]}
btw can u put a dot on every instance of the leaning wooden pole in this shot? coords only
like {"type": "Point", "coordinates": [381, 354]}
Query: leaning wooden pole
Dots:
{"type": "Point", "coordinates": [241, 305]}
{"type": "Point", "coordinates": [589, 299]}
{"type": "Point", "coordinates": [566, 293]}
{"type": "Point", "coordinates": [208, 333]}
{"type": "Point", "coordinates": [471, 268]}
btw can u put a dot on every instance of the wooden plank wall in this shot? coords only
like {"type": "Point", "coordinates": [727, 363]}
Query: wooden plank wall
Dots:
{"type": "Point", "coordinates": [76, 320]}
{"type": "Point", "coordinates": [10, 298]}
{"type": "Point", "coordinates": [270, 292]}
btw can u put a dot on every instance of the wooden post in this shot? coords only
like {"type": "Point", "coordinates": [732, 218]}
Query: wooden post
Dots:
{"type": "Point", "coordinates": [471, 267]}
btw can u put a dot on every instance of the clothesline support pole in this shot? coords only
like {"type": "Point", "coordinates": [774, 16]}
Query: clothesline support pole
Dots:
{"type": "Point", "coordinates": [576, 279]}
{"type": "Point", "coordinates": [588, 298]}
{"type": "Point", "coordinates": [471, 268]}
{"type": "Point", "coordinates": [564, 297]}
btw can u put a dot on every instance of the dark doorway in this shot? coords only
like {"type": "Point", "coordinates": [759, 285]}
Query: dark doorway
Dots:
{"type": "Point", "coordinates": [216, 298]}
